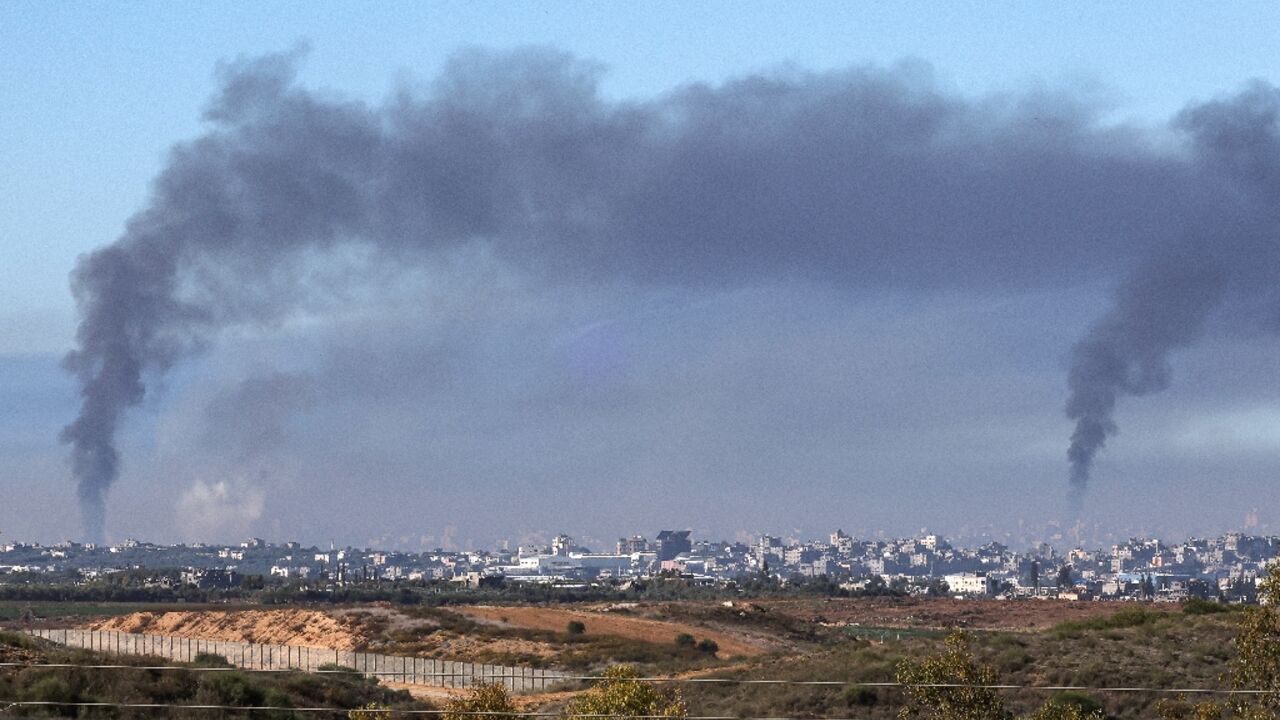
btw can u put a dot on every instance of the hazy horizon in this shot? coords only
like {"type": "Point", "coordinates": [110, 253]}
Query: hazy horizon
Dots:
{"type": "Point", "coordinates": [522, 283]}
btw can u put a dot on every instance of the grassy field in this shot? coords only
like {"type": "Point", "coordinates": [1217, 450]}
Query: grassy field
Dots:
{"type": "Point", "coordinates": [1136, 647]}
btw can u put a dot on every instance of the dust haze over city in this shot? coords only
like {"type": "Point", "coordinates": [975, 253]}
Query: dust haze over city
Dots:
{"type": "Point", "coordinates": [451, 275]}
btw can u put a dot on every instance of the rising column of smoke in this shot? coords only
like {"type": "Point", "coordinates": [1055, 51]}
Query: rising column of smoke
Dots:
{"type": "Point", "coordinates": [863, 179]}
{"type": "Point", "coordinates": [225, 203]}
{"type": "Point", "coordinates": [1229, 255]}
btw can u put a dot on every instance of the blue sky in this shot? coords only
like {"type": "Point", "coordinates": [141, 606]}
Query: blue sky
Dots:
{"type": "Point", "coordinates": [93, 95]}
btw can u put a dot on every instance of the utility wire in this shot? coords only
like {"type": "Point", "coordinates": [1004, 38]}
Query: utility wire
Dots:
{"type": "Point", "coordinates": [686, 680]}
{"type": "Point", "coordinates": [390, 711]}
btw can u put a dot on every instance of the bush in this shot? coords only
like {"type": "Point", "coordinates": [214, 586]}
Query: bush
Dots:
{"type": "Point", "coordinates": [52, 688]}
{"type": "Point", "coordinates": [1126, 618]}
{"type": "Point", "coordinates": [685, 640]}
{"type": "Point", "coordinates": [490, 701]}
{"type": "Point", "coordinates": [620, 694]}
{"type": "Point", "coordinates": [860, 696]}
{"type": "Point", "coordinates": [17, 640]}
{"type": "Point", "coordinates": [370, 711]}
{"type": "Point", "coordinates": [1088, 704]}
{"type": "Point", "coordinates": [1197, 606]}
{"type": "Point", "coordinates": [576, 628]}
{"type": "Point", "coordinates": [708, 646]}
{"type": "Point", "coordinates": [230, 688]}
{"type": "Point", "coordinates": [210, 660]}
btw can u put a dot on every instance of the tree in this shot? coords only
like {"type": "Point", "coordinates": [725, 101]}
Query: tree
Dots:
{"type": "Point", "coordinates": [955, 666]}
{"type": "Point", "coordinates": [622, 695]}
{"type": "Point", "coordinates": [953, 686]}
{"type": "Point", "coordinates": [488, 701]}
{"type": "Point", "coordinates": [1257, 664]}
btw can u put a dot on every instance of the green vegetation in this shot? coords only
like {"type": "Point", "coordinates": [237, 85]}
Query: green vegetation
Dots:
{"type": "Point", "coordinates": [177, 687]}
{"type": "Point", "coordinates": [1199, 606]}
{"type": "Point", "coordinates": [952, 685]}
{"type": "Point", "coordinates": [1127, 618]}
{"type": "Point", "coordinates": [576, 628]}
{"type": "Point", "coordinates": [210, 660]}
{"type": "Point", "coordinates": [1163, 649]}
{"type": "Point", "coordinates": [1138, 646]}
{"type": "Point", "coordinates": [491, 700]}
{"type": "Point", "coordinates": [621, 695]}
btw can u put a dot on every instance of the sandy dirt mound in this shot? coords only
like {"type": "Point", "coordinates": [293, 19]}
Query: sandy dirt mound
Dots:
{"type": "Point", "coordinates": [281, 627]}
{"type": "Point", "coordinates": [946, 612]}
{"type": "Point", "coordinates": [599, 623]}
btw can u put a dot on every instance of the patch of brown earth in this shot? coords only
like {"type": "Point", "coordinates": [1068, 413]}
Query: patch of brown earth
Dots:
{"type": "Point", "coordinates": [600, 623]}
{"type": "Point", "coordinates": [281, 627]}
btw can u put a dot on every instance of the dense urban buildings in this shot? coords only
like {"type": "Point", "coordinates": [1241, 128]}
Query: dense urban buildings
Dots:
{"type": "Point", "coordinates": [1227, 567]}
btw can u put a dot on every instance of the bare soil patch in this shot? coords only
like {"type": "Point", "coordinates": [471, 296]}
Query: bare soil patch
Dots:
{"type": "Point", "coordinates": [309, 628]}
{"type": "Point", "coordinates": [601, 623]}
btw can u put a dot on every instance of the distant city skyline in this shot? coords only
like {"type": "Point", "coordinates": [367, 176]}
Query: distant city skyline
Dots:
{"type": "Point", "coordinates": [467, 272]}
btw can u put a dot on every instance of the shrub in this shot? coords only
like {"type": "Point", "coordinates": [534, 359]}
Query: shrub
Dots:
{"type": "Point", "coordinates": [1198, 606]}
{"type": "Point", "coordinates": [492, 701]}
{"type": "Point", "coordinates": [685, 640]}
{"type": "Point", "coordinates": [230, 688]}
{"type": "Point", "coordinates": [1088, 704]}
{"type": "Point", "coordinates": [860, 696]}
{"type": "Point", "coordinates": [210, 660]}
{"type": "Point", "coordinates": [370, 711]}
{"type": "Point", "coordinates": [1126, 618]}
{"type": "Point", "coordinates": [52, 688]}
{"type": "Point", "coordinates": [17, 640]}
{"type": "Point", "coordinates": [708, 646]}
{"type": "Point", "coordinates": [1055, 710]}
{"type": "Point", "coordinates": [954, 666]}
{"type": "Point", "coordinates": [621, 694]}
{"type": "Point", "coordinates": [576, 628]}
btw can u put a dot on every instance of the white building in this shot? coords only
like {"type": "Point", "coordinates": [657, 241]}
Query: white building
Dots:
{"type": "Point", "coordinates": [974, 584]}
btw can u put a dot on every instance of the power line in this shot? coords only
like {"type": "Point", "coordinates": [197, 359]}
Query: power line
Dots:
{"type": "Point", "coordinates": [676, 680]}
{"type": "Point", "coordinates": [391, 711]}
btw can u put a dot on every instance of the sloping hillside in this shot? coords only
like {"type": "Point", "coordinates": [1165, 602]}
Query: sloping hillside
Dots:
{"type": "Point", "coordinates": [310, 628]}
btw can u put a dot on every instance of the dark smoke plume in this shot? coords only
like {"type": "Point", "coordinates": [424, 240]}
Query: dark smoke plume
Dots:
{"type": "Point", "coordinates": [866, 179]}
{"type": "Point", "coordinates": [1230, 253]}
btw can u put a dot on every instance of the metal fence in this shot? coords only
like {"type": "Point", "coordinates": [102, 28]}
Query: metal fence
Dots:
{"type": "Point", "coordinates": [256, 656]}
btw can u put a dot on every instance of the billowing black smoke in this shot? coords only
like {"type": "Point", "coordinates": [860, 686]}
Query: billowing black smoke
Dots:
{"type": "Point", "coordinates": [865, 179]}
{"type": "Point", "coordinates": [1227, 259]}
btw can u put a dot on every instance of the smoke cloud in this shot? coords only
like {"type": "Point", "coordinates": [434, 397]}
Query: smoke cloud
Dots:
{"type": "Point", "coordinates": [1228, 254]}
{"type": "Point", "coordinates": [864, 180]}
